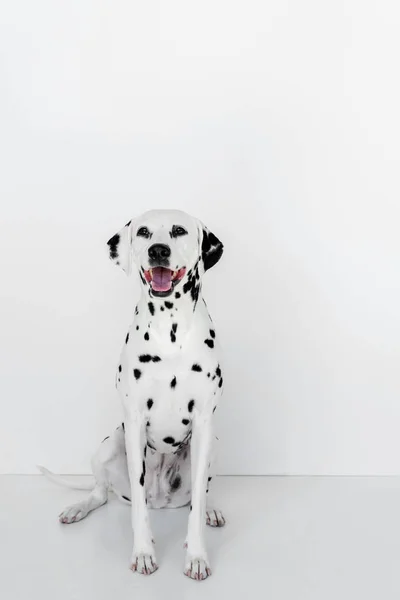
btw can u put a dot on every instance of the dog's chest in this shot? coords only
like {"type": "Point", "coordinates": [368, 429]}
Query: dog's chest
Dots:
{"type": "Point", "coordinates": [170, 393]}
{"type": "Point", "coordinates": [169, 385]}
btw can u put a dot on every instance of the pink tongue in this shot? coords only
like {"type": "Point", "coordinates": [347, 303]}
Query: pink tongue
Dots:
{"type": "Point", "coordinates": [161, 281]}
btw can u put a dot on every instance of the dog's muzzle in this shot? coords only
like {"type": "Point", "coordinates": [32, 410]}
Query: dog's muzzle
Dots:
{"type": "Point", "coordinates": [163, 280]}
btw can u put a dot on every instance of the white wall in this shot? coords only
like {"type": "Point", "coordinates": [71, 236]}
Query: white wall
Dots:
{"type": "Point", "coordinates": [277, 123]}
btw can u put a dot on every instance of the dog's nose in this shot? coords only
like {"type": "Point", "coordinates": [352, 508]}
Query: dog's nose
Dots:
{"type": "Point", "coordinates": [159, 252]}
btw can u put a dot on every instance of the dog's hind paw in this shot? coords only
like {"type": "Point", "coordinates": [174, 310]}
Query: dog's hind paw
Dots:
{"type": "Point", "coordinates": [73, 513]}
{"type": "Point", "coordinates": [215, 518]}
{"type": "Point", "coordinates": [144, 563]}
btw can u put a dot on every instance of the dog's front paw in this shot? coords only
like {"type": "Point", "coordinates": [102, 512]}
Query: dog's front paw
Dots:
{"type": "Point", "coordinates": [215, 518]}
{"type": "Point", "coordinates": [197, 568]}
{"type": "Point", "coordinates": [144, 563]}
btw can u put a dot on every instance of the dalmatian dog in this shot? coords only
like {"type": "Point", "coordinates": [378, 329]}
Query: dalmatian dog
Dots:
{"type": "Point", "coordinates": [169, 380]}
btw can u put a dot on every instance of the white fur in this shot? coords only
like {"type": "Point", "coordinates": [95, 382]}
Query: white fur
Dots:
{"type": "Point", "coordinates": [179, 339]}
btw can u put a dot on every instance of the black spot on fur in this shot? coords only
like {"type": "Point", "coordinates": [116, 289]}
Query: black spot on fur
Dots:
{"type": "Point", "coordinates": [214, 409]}
{"type": "Point", "coordinates": [190, 507]}
{"type": "Point", "coordinates": [191, 286]}
{"type": "Point", "coordinates": [126, 498]}
{"type": "Point", "coordinates": [218, 371]}
{"type": "Point", "coordinates": [162, 308]}
{"type": "Point", "coordinates": [151, 308]}
{"type": "Point", "coordinates": [136, 311]}
{"type": "Point", "coordinates": [123, 426]}
{"type": "Point", "coordinates": [146, 336]}
{"type": "Point", "coordinates": [188, 286]}
{"type": "Point", "coordinates": [173, 382]}
{"type": "Point", "coordinates": [119, 368]}
{"type": "Point", "coordinates": [212, 333]}
{"type": "Point", "coordinates": [195, 293]}
{"type": "Point", "coordinates": [177, 295]}
{"type": "Point", "coordinates": [221, 382]}
{"type": "Point", "coordinates": [169, 304]}
{"type": "Point", "coordinates": [196, 368]}
{"type": "Point", "coordinates": [113, 245]}
{"type": "Point", "coordinates": [144, 358]}
{"type": "Point", "coordinates": [185, 421]}
{"type": "Point", "coordinates": [106, 438]}
{"type": "Point", "coordinates": [210, 343]}
{"type": "Point", "coordinates": [137, 373]}
{"type": "Point", "coordinates": [190, 405]}
{"type": "Point", "coordinates": [149, 403]}
{"type": "Point", "coordinates": [141, 481]}
{"type": "Point", "coordinates": [156, 359]}
{"type": "Point", "coordinates": [169, 440]}
{"type": "Point", "coordinates": [176, 483]}
{"type": "Point", "coordinates": [144, 468]}
{"type": "Point", "coordinates": [173, 332]}
{"type": "Point", "coordinates": [127, 338]}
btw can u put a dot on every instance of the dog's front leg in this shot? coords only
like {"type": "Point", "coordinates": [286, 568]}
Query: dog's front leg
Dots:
{"type": "Point", "coordinates": [197, 566]}
{"type": "Point", "coordinates": [143, 556]}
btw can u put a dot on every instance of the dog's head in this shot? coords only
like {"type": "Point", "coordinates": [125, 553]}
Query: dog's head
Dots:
{"type": "Point", "coordinates": [169, 248]}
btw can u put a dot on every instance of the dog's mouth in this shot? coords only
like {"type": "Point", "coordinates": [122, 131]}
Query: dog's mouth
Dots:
{"type": "Point", "coordinates": [163, 280]}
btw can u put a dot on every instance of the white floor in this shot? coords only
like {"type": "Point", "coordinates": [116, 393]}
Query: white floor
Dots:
{"type": "Point", "coordinates": [286, 538]}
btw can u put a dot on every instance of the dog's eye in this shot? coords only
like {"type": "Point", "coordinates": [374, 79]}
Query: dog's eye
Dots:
{"type": "Point", "coordinates": [143, 232]}
{"type": "Point", "coordinates": [177, 230]}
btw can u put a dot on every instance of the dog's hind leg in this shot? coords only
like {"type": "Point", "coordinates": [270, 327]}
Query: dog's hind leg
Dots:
{"type": "Point", "coordinates": [109, 449]}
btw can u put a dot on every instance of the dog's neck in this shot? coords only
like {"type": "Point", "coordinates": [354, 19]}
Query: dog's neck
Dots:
{"type": "Point", "coordinates": [177, 311]}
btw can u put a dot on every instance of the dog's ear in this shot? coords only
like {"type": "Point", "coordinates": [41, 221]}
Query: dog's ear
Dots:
{"type": "Point", "coordinates": [211, 248]}
{"type": "Point", "coordinates": [119, 247]}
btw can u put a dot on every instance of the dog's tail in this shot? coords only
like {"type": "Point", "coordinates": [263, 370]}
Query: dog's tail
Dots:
{"type": "Point", "coordinates": [64, 482]}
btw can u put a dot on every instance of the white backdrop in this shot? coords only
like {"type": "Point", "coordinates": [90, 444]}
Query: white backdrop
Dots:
{"type": "Point", "coordinates": [277, 123]}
